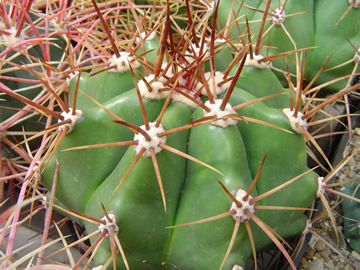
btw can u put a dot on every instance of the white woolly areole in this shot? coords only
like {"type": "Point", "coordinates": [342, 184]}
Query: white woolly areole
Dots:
{"type": "Point", "coordinates": [279, 16]}
{"type": "Point", "coordinates": [43, 201]}
{"type": "Point", "coordinates": [294, 121]}
{"type": "Point", "coordinates": [357, 56]}
{"type": "Point", "coordinates": [154, 143]}
{"type": "Point", "coordinates": [12, 39]}
{"type": "Point", "coordinates": [72, 75]}
{"type": "Point", "coordinates": [320, 189]}
{"type": "Point", "coordinates": [219, 77]}
{"type": "Point", "coordinates": [221, 41]}
{"type": "Point", "coordinates": [307, 227]}
{"type": "Point", "coordinates": [245, 206]}
{"type": "Point", "coordinates": [356, 3]}
{"type": "Point", "coordinates": [303, 97]}
{"type": "Point", "coordinates": [182, 81]}
{"type": "Point", "coordinates": [237, 267]}
{"type": "Point", "coordinates": [215, 110]}
{"type": "Point", "coordinates": [73, 118]}
{"type": "Point", "coordinates": [169, 74]}
{"type": "Point", "coordinates": [217, 41]}
{"type": "Point", "coordinates": [143, 36]}
{"type": "Point", "coordinates": [254, 62]}
{"type": "Point", "coordinates": [57, 26]}
{"type": "Point", "coordinates": [122, 62]}
{"type": "Point", "coordinates": [156, 85]}
{"type": "Point", "coordinates": [208, 4]}
{"type": "Point", "coordinates": [177, 97]}
{"type": "Point", "coordinates": [36, 170]}
{"type": "Point", "coordinates": [195, 51]}
{"type": "Point", "coordinates": [107, 225]}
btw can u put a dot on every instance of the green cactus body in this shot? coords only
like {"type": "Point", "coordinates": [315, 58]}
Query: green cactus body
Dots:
{"type": "Point", "coordinates": [235, 7]}
{"type": "Point", "coordinates": [110, 86]}
{"type": "Point", "coordinates": [329, 33]}
{"type": "Point", "coordinates": [191, 191]}
{"type": "Point", "coordinates": [222, 57]}
{"type": "Point", "coordinates": [315, 25]}
{"type": "Point", "coordinates": [123, 101]}
{"type": "Point", "coordinates": [352, 216]}
{"type": "Point", "coordinates": [93, 121]}
{"type": "Point", "coordinates": [149, 45]}
{"type": "Point", "coordinates": [274, 142]}
{"type": "Point", "coordinates": [138, 202]}
{"type": "Point", "coordinates": [161, 190]}
{"type": "Point", "coordinates": [202, 198]}
{"type": "Point", "coordinates": [290, 17]}
{"type": "Point", "coordinates": [268, 85]}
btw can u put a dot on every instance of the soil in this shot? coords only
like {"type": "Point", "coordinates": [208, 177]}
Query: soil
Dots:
{"type": "Point", "coordinates": [327, 250]}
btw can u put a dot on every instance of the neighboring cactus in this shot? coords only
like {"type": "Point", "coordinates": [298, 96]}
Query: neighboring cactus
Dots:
{"type": "Point", "coordinates": [351, 207]}
{"type": "Point", "coordinates": [351, 210]}
{"type": "Point", "coordinates": [161, 146]}
{"type": "Point", "coordinates": [33, 71]}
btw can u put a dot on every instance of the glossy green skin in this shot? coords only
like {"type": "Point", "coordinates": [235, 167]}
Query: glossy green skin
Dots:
{"type": "Point", "coordinates": [111, 90]}
{"type": "Point", "coordinates": [111, 83]}
{"type": "Point", "coordinates": [300, 27]}
{"type": "Point", "coordinates": [327, 34]}
{"type": "Point", "coordinates": [222, 58]}
{"type": "Point", "coordinates": [203, 197]}
{"type": "Point", "coordinates": [94, 122]}
{"type": "Point", "coordinates": [281, 164]}
{"type": "Point", "coordinates": [110, 87]}
{"type": "Point", "coordinates": [317, 27]}
{"type": "Point", "coordinates": [138, 200]}
{"type": "Point", "coordinates": [11, 102]}
{"type": "Point", "coordinates": [266, 86]}
{"type": "Point", "coordinates": [227, 7]}
{"type": "Point", "coordinates": [89, 177]}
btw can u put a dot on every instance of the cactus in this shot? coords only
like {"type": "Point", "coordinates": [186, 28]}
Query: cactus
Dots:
{"type": "Point", "coordinates": [168, 179]}
{"type": "Point", "coordinates": [294, 26]}
{"type": "Point", "coordinates": [352, 216]}
{"type": "Point", "coordinates": [32, 72]}
{"type": "Point", "coordinates": [351, 210]}
{"type": "Point", "coordinates": [186, 150]}
{"type": "Point", "coordinates": [162, 187]}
